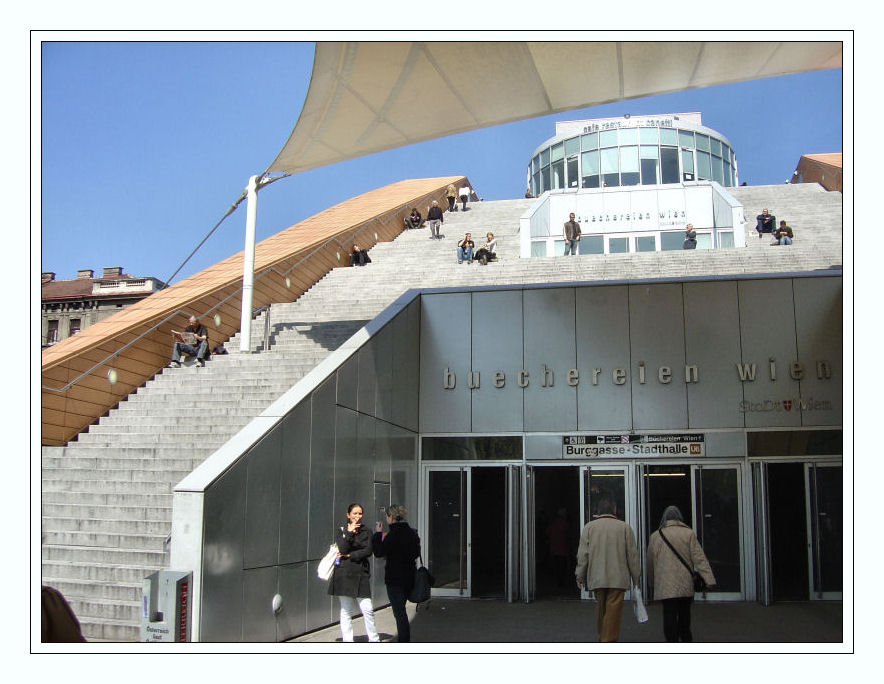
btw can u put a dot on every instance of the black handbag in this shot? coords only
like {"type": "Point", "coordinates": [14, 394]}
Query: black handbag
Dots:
{"type": "Point", "coordinates": [699, 582]}
{"type": "Point", "coordinates": [423, 581]}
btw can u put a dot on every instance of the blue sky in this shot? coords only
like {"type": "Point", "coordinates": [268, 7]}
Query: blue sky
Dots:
{"type": "Point", "coordinates": [145, 146]}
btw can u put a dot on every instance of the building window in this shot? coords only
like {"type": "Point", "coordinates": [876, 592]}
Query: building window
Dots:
{"type": "Point", "coordinates": [687, 165]}
{"type": "Point", "coordinates": [671, 240]}
{"type": "Point", "coordinates": [544, 179]}
{"type": "Point", "coordinates": [572, 146]}
{"type": "Point", "coordinates": [669, 165]}
{"type": "Point", "coordinates": [649, 136]}
{"type": "Point", "coordinates": [591, 244]}
{"type": "Point", "coordinates": [558, 172]}
{"type": "Point", "coordinates": [668, 136]}
{"type": "Point", "coordinates": [725, 240]}
{"type": "Point", "coordinates": [590, 141]}
{"type": "Point", "coordinates": [538, 248]}
{"type": "Point", "coordinates": [702, 142]}
{"type": "Point", "coordinates": [52, 332]}
{"type": "Point", "coordinates": [74, 326]}
{"type": "Point", "coordinates": [628, 136]}
{"type": "Point", "coordinates": [544, 157]}
{"type": "Point", "coordinates": [557, 152]}
{"type": "Point", "coordinates": [617, 245]}
{"type": "Point", "coordinates": [645, 243]}
{"type": "Point", "coordinates": [686, 139]}
{"type": "Point", "coordinates": [704, 166]}
{"type": "Point", "coordinates": [573, 177]}
{"type": "Point", "coordinates": [610, 167]}
{"type": "Point", "coordinates": [716, 170]}
{"type": "Point", "coordinates": [590, 164]}
{"type": "Point", "coordinates": [629, 165]}
{"type": "Point", "coordinates": [650, 163]}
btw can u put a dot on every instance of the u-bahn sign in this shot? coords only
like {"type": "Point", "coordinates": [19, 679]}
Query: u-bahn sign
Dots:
{"type": "Point", "coordinates": [633, 446]}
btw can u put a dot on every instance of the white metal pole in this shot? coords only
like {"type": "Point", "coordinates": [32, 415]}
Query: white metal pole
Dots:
{"type": "Point", "coordinates": [248, 266]}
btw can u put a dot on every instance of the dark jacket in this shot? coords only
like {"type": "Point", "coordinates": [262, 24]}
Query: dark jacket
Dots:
{"type": "Point", "coordinates": [400, 546]}
{"type": "Point", "coordinates": [352, 576]}
{"type": "Point", "coordinates": [435, 214]}
{"type": "Point", "coordinates": [690, 241]}
{"type": "Point", "coordinates": [359, 258]}
{"type": "Point", "coordinates": [763, 226]}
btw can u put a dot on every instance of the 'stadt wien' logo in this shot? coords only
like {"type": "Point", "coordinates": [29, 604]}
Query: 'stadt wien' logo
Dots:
{"type": "Point", "coordinates": [774, 405]}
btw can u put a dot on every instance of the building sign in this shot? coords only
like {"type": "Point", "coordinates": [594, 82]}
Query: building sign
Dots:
{"type": "Point", "coordinates": [628, 446]}
{"type": "Point", "coordinates": [785, 405]}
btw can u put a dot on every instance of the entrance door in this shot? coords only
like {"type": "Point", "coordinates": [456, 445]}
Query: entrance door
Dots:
{"type": "Point", "coordinates": [556, 519]}
{"type": "Point", "coordinates": [799, 515]}
{"type": "Point", "coordinates": [599, 482]}
{"type": "Point", "coordinates": [472, 529]}
{"type": "Point", "coordinates": [709, 500]}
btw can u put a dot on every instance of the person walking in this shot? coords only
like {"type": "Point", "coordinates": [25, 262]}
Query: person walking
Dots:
{"type": "Point", "coordinates": [673, 583]}
{"type": "Point", "coordinates": [400, 545]}
{"type": "Point", "coordinates": [351, 578]}
{"type": "Point", "coordinates": [451, 195]}
{"type": "Point", "coordinates": [435, 218]}
{"type": "Point", "coordinates": [607, 559]}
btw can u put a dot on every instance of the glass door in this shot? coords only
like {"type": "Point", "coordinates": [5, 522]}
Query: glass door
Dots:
{"type": "Point", "coordinates": [825, 529]}
{"type": "Point", "coordinates": [601, 482]}
{"type": "Point", "coordinates": [514, 528]}
{"type": "Point", "coordinates": [709, 500]}
{"type": "Point", "coordinates": [448, 542]}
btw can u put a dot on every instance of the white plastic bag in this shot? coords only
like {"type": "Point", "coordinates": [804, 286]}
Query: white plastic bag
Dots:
{"type": "Point", "coordinates": [638, 605]}
{"type": "Point", "coordinates": [327, 564]}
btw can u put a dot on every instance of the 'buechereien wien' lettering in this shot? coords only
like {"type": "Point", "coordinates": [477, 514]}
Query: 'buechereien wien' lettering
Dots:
{"type": "Point", "coordinates": [619, 375]}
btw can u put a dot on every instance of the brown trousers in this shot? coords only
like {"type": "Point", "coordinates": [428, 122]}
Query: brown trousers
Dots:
{"type": "Point", "coordinates": [609, 609]}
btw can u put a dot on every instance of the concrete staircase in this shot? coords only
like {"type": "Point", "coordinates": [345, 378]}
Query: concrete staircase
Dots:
{"type": "Point", "coordinates": [106, 502]}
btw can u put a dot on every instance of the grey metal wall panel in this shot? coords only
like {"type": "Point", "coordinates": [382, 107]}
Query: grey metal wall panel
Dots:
{"type": "Point", "coordinates": [767, 331]}
{"type": "Point", "coordinates": [258, 619]}
{"type": "Point", "coordinates": [348, 488]}
{"type": "Point", "coordinates": [292, 619]}
{"type": "Point", "coordinates": [656, 324]}
{"type": "Point", "coordinates": [262, 502]}
{"type": "Point", "coordinates": [322, 516]}
{"type": "Point", "coordinates": [381, 500]}
{"type": "Point", "coordinates": [322, 609]}
{"type": "Point", "coordinates": [368, 382]}
{"type": "Point", "coordinates": [383, 450]}
{"type": "Point", "coordinates": [222, 582]}
{"type": "Point", "coordinates": [383, 359]}
{"type": "Point", "coordinates": [725, 444]}
{"type": "Point", "coordinates": [819, 321]}
{"type": "Point", "coordinates": [550, 344]}
{"type": "Point", "coordinates": [497, 346]}
{"type": "Point", "coordinates": [543, 447]}
{"type": "Point", "coordinates": [603, 344]}
{"type": "Point", "coordinates": [445, 344]}
{"type": "Point", "coordinates": [294, 485]}
{"type": "Point", "coordinates": [348, 382]}
{"type": "Point", "coordinates": [403, 469]}
{"type": "Point", "coordinates": [406, 366]}
{"type": "Point", "coordinates": [712, 343]}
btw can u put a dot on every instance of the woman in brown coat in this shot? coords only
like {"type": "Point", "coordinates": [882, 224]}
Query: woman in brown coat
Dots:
{"type": "Point", "coordinates": [673, 583]}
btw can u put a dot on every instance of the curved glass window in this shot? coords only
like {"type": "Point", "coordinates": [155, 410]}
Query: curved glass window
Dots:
{"type": "Point", "coordinates": [704, 166]}
{"type": "Point", "coordinates": [557, 152]}
{"type": "Point", "coordinates": [629, 167]}
{"type": "Point", "coordinates": [649, 135]}
{"type": "Point", "coordinates": [535, 164]}
{"type": "Point", "coordinates": [645, 243]}
{"type": "Point", "coordinates": [536, 189]}
{"type": "Point", "coordinates": [558, 174]}
{"type": "Point", "coordinates": [702, 142]}
{"type": "Point", "coordinates": [590, 169]}
{"type": "Point", "coordinates": [725, 152]}
{"type": "Point", "coordinates": [650, 163]}
{"type": "Point", "coordinates": [717, 175]}
{"type": "Point", "coordinates": [687, 165]}
{"type": "Point", "coordinates": [669, 165]}
{"type": "Point", "coordinates": [686, 138]}
{"type": "Point", "coordinates": [544, 179]}
{"type": "Point", "coordinates": [716, 146]}
{"type": "Point", "coordinates": [572, 146]}
{"type": "Point", "coordinates": [608, 138]}
{"type": "Point", "coordinates": [610, 167]}
{"type": "Point", "coordinates": [668, 136]}
{"type": "Point", "coordinates": [628, 136]}
{"type": "Point", "coordinates": [590, 141]}
{"type": "Point", "coordinates": [672, 240]}
{"type": "Point", "coordinates": [544, 157]}
{"type": "Point", "coordinates": [573, 180]}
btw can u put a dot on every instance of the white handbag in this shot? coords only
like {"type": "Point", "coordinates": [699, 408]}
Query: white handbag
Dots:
{"type": "Point", "coordinates": [327, 564]}
{"type": "Point", "coordinates": [638, 605]}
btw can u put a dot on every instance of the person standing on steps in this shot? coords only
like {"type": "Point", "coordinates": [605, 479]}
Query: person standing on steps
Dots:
{"type": "Point", "coordinates": [464, 194]}
{"type": "Point", "coordinates": [572, 235]}
{"type": "Point", "coordinates": [435, 218]}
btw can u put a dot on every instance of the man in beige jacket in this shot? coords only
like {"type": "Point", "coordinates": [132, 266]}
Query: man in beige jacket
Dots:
{"type": "Point", "coordinates": [607, 559]}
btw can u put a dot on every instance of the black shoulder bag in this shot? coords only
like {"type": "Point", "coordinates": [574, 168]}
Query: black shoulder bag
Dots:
{"type": "Point", "coordinates": [699, 582]}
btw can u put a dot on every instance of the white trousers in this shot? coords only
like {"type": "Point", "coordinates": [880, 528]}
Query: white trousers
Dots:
{"type": "Point", "coordinates": [349, 608]}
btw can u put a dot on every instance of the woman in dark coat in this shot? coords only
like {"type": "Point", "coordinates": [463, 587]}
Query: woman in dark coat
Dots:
{"type": "Point", "coordinates": [400, 545]}
{"type": "Point", "coordinates": [351, 579]}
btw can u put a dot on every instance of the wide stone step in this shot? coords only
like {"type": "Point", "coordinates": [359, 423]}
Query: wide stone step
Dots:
{"type": "Point", "coordinates": [79, 511]}
{"type": "Point", "coordinates": [90, 590]}
{"type": "Point", "coordinates": [143, 557]}
{"type": "Point", "coordinates": [106, 526]}
{"type": "Point", "coordinates": [99, 630]}
{"type": "Point", "coordinates": [55, 571]}
{"type": "Point", "coordinates": [108, 475]}
{"type": "Point", "coordinates": [104, 539]}
{"type": "Point", "coordinates": [105, 498]}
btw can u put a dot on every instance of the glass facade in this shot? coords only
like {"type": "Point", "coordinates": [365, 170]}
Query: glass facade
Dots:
{"type": "Point", "coordinates": [632, 152]}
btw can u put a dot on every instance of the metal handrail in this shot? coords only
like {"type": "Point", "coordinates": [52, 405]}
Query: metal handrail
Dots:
{"type": "Point", "coordinates": [271, 269]}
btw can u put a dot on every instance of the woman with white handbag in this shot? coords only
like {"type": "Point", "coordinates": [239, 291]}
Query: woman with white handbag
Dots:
{"type": "Point", "coordinates": [351, 578]}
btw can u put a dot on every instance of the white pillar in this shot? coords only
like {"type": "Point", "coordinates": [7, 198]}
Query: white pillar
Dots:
{"type": "Point", "coordinates": [248, 266]}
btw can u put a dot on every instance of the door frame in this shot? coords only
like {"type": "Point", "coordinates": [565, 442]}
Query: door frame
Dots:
{"type": "Point", "coordinates": [466, 510]}
{"type": "Point", "coordinates": [813, 548]}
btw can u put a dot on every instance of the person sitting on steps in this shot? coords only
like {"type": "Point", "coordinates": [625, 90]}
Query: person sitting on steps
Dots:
{"type": "Point", "coordinates": [465, 249]}
{"type": "Point", "coordinates": [192, 341]}
{"type": "Point", "coordinates": [359, 257]}
{"type": "Point", "coordinates": [486, 252]}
